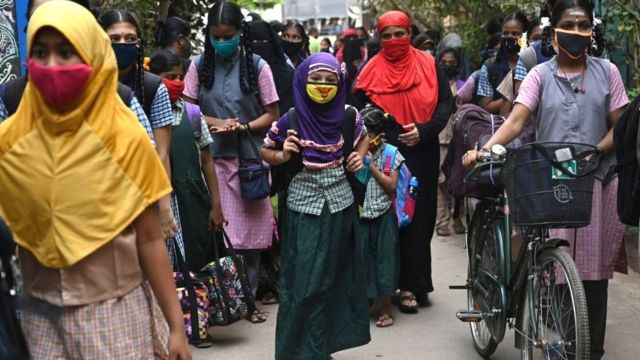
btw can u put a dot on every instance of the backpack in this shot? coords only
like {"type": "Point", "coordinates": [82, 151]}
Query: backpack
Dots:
{"type": "Point", "coordinates": [472, 128]}
{"type": "Point", "coordinates": [281, 175]}
{"type": "Point", "coordinates": [626, 143]}
{"type": "Point", "coordinates": [151, 83]}
{"type": "Point", "coordinates": [404, 199]}
{"type": "Point", "coordinates": [11, 94]}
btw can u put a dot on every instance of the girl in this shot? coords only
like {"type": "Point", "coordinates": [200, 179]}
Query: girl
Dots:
{"type": "Point", "coordinates": [84, 216]}
{"type": "Point", "coordinates": [225, 81]}
{"type": "Point", "coordinates": [196, 202]}
{"type": "Point", "coordinates": [323, 300]}
{"type": "Point", "coordinates": [174, 34]}
{"type": "Point", "coordinates": [295, 42]}
{"type": "Point", "coordinates": [578, 98]}
{"type": "Point", "coordinates": [407, 83]}
{"type": "Point", "coordinates": [126, 40]}
{"type": "Point", "coordinates": [378, 223]}
{"type": "Point", "coordinates": [496, 69]}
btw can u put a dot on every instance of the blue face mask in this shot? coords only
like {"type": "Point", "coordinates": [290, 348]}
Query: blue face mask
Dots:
{"type": "Point", "coordinates": [226, 48]}
{"type": "Point", "coordinates": [126, 54]}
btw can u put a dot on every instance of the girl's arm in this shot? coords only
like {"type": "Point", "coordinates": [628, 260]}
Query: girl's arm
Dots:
{"type": "Point", "coordinates": [492, 106]}
{"type": "Point", "coordinates": [216, 217]}
{"type": "Point", "coordinates": [271, 114]}
{"type": "Point", "coordinates": [388, 183]}
{"type": "Point", "coordinates": [606, 144]}
{"type": "Point", "coordinates": [354, 160]}
{"type": "Point", "coordinates": [163, 143]}
{"type": "Point", "coordinates": [154, 261]}
{"type": "Point", "coordinates": [278, 157]}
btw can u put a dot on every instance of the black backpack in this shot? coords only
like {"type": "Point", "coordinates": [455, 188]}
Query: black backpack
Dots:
{"type": "Point", "coordinates": [626, 143]}
{"type": "Point", "coordinates": [11, 94]}
{"type": "Point", "coordinates": [282, 175]}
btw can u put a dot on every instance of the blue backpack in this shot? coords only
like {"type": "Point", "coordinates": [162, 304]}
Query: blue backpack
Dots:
{"type": "Point", "coordinates": [404, 200]}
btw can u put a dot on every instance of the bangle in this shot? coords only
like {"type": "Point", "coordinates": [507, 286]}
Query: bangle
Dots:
{"type": "Point", "coordinates": [248, 126]}
{"type": "Point", "coordinates": [166, 222]}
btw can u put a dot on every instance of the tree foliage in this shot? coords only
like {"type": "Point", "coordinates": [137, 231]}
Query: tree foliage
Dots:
{"type": "Point", "coordinates": [623, 17]}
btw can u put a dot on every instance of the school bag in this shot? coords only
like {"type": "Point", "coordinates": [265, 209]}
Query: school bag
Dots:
{"type": "Point", "coordinates": [404, 199]}
{"type": "Point", "coordinates": [11, 94]}
{"type": "Point", "coordinates": [626, 142]}
{"type": "Point", "coordinates": [281, 175]}
{"type": "Point", "coordinates": [472, 128]}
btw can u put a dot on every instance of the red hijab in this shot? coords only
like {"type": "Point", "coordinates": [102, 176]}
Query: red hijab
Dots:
{"type": "Point", "coordinates": [401, 79]}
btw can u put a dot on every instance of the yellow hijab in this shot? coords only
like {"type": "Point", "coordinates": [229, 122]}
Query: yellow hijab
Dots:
{"type": "Point", "coordinates": [71, 182]}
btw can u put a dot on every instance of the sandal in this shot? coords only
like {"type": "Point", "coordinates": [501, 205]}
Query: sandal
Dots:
{"type": "Point", "coordinates": [384, 320]}
{"type": "Point", "coordinates": [204, 344]}
{"type": "Point", "coordinates": [269, 299]}
{"type": "Point", "coordinates": [258, 317]}
{"type": "Point", "coordinates": [405, 305]}
{"type": "Point", "coordinates": [443, 232]}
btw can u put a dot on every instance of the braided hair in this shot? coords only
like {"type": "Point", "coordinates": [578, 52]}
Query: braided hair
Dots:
{"type": "Point", "coordinates": [170, 30]}
{"type": "Point", "coordinates": [227, 13]}
{"type": "Point", "coordinates": [375, 119]}
{"type": "Point", "coordinates": [117, 16]}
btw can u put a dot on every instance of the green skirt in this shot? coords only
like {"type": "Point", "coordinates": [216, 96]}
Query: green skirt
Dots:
{"type": "Point", "coordinates": [323, 299]}
{"type": "Point", "coordinates": [380, 238]}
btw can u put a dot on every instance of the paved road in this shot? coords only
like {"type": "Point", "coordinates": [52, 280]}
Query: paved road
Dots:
{"type": "Point", "coordinates": [435, 333]}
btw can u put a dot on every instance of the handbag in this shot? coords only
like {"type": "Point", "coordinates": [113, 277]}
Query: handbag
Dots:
{"type": "Point", "coordinates": [193, 295]}
{"type": "Point", "coordinates": [254, 175]}
{"type": "Point", "coordinates": [230, 296]}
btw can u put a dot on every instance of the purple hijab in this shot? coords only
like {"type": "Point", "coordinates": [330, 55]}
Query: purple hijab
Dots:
{"type": "Point", "coordinates": [321, 124]}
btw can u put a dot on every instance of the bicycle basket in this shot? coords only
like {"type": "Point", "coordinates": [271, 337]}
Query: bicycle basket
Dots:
{"type": "Point", "coordinates": [551, 184]}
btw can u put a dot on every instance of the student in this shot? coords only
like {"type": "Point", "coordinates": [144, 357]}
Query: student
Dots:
{"type": "Point", "coordinates": [378, 224]}
{"type": "Point", "coordinates": [174, 34]}
{"type": "Point", "coordinates": [325, 46]}
{"type": "Point", "coordinates": [323, 300]}
{"type": "Point", "coordinates": [408, 84]}
{"type": "Point", "coordinates": [495, 69]}
{"type": "Point", "coordinates": [196, 199]}
{"type": "Point", "coordinates": [84, 216]}
{"type": "Point", "coordinates": [295, 42]}
{"type": "Point", "coordinates": [224, 82]}
{"type": "Point", "coordinates": [595, 89]}
{"type": "Point", "coordinates": [126, 41]}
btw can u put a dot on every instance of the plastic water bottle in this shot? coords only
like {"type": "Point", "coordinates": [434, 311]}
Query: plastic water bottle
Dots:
{"type": "Point", "coordinates": [413, 187]}
{"type": "Point", "coordinates": [365, 174]}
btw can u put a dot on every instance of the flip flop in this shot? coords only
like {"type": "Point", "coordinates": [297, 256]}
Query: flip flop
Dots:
{"type": "Point", "coordinates": [408, 309]}
{"type": "Point", "coordinates": [388, 318]}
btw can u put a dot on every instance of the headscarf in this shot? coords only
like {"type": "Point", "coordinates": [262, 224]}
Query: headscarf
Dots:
{"type": "Point", "coordinates": [271, 51]}
{"type": "Point", "coordinates": [73, 181]}
{"type": "Point", "coordinates": [351, 44]}
{"type": "Point", "coordinates": [406, 88]}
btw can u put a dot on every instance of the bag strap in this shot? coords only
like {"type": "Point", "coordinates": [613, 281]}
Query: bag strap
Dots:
{"type": "Point", "coordinates": [191, 291]}
{"type": "Point", "coordinates": [125, 93]}
{"type": "Point", "coordinates": [193, 115]}
{"type": "Point", "coordinates": [151, 84]}
{"type": "Point", "coordinates": [226, 241]}
{"type": "Point", "coordinates": [296, 159]}
{"type": "Point", "coordinates": [389, 154]}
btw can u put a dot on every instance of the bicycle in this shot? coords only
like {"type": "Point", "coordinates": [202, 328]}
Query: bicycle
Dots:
{"type": "Point", "coordinates": [543, 297]}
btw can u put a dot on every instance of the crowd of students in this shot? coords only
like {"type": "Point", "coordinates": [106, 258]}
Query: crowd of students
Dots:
{"type": "Point", "coordinates": [91, 150]}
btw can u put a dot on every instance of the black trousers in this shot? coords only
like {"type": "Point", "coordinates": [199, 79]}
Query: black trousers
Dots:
{"type": "Point", "coordinates": [415, 239]}
{"type": "Point", "coordinates": [597, 294]}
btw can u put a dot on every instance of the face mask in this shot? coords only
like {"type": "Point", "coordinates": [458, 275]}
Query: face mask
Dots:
{"type": "Point", "coordinates": [226, 48]}
{"type": "Point", "coordinates": [175, 88]}
{"type": "Point", "coordinates": [59, 85]}
{"type": "Point", "coordinates": [450, 71]}
{"type": "Point", "coordinates": [291, 48]}
{"type": "Point", "coordinates": [126, 54]}
{"type": "Point", "coordinates": [321, 93]}
{"type": "Point", "coordinates": [510, 45]}
{"type": "Point", "coordinates": [375, 142]}
{"type": "Point", "coordinates": [396, 48]}
{"type": "Point", "coordinates": [264, 50]}
{"type": "Point", "coordinates": [573, 43]}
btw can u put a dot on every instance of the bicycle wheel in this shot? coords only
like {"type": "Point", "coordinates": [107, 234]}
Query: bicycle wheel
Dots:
{"type": "Point", "coordinates": [559, 311]}
{"type": "Point", "coordinates": [481, 252]}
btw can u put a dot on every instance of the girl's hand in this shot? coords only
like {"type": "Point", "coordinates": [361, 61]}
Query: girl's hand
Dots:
{"type": "Point", "coordinates": [354, 162]}
{"type": "Point", "coordinates": [470, 158]}
{"type": "Point", "coordinates": [291, 145]}
{"type": "Point", "coordinates": [216, 218]}
{"type": "Point", "coordinates": [168, 224]}
{"type": "Point", "coordinates": [178, 345]}
{"type": "Point", "coordinates": [219, 126]}
{"type": "Point", "coordinates": [411, 137]}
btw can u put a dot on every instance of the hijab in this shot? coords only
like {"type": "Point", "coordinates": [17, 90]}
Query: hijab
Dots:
{"type": "Point", "coordinates": [72, 181]}
{"type": "Point", "coordinates": [406, 86]}
{"type": "Point", "coordinates": [269, 48]}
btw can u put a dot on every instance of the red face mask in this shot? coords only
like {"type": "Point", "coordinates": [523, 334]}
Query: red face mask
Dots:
{"type": "Point", "coordinates": [175, 87]}
{"type": "Point", "coordinates": [59, 85]}
{"type": "Point", "coordinates": [396, 48]}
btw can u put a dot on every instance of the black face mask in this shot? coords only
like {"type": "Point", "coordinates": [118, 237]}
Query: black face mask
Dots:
{"type": "Point", "coordinates": [573, 44]}
{"type": "Point", "coordinates": [450, 71]}
{"type": "Point", "coordinates": [510, 45]}
{"type": "Point", "coordinates": [291, 48]}
{"type": "Point", "coordinates": [264, 50]}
